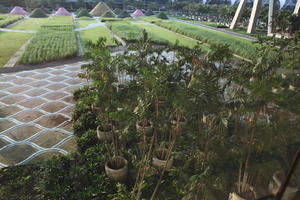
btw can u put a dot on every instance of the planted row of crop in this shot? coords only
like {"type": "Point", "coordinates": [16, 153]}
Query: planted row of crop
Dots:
{"type": "Point", "coordinates": [6, 20]}
{"type": "Point", "coordinates": [239, 46]}
{"type": "Point", "coordinates": [51, 43]}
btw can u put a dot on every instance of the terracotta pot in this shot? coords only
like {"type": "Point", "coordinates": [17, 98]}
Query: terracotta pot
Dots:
{"type": "Point", "coordinates": [275, 184]}
{"type": "Point", "coordinates": [105, 135]}
{"type": "Point", "coordinates": [157, 162]}
{"type": "Point", "coordinates": [119, 174]}
{"type": "Point", "coordinates": [144, 129]}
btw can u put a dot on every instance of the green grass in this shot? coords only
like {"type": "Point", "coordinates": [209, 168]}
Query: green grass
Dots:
{"type": "Point", "coordinates": [155, 32]}
{"type": "Point", "coordinates": [50, 43]}
{"type": "Point", "coordinates": [85, 22]}
{"type": "Point", "coordinates": [30, 24]}
{"type": "Point", "coordinates": [6, 19]}
{"type": "Point", "coordinates": [94, 34]}
{"type": "Point", "coordinates": [238, 45]}
{"type": "Point", "coordinates": [13, 42]}
{"type": "Point", "coordinates": [36, 23]}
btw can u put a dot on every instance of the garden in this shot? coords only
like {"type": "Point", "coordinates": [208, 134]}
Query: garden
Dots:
{"type": "Point", "coordinates": [170, 122]}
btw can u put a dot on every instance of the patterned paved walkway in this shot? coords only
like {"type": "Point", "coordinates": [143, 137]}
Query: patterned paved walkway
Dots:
{"type": "Point", "coordinates": [35, 114]}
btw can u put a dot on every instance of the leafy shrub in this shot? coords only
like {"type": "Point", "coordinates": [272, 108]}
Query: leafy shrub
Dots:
{"type": "Point", "coordinates": [6, 20]}
{"type": "Point", "coordinates": [123, 14]}
{"type": "Point", "coordinates": [109, 14]}
{"type": "Point", "coordinates": [149, 13]}
{"type": "Point", "coordinates": [83, 13]}
{"type": "Point", "coordinates": [78, 11]}
{"type": "Point", "coordinates": [162, 15]}
{"type": "Point", "coordinates": [117, 11]}
{"type": "Point", "coordinates": [38, 13]}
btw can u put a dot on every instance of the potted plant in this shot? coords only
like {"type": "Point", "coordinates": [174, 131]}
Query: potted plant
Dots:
{"type": "Point", "coordinates": [117, 168]}
{"type": "Point", "coordinates": [277, 180]}
{"type": "Point", "coordinates": [161, 160]}
{"type": "Point", "coordinates": [105, 133]}
{"type": "Point", "coordinates": [144, 126]}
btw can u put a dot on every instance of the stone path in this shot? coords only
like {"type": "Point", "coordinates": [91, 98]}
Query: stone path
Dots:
{"type": "Point", "coordinates": [247, 37]}
{"type": "Point", "coordinates": [16, 31]}
{"type": "Point", "coordinates": [35, 114]}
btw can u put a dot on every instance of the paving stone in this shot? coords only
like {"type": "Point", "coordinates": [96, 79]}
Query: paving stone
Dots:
{"type": "Point", "coordinates": [3, 94]}
{"type": "Point", "coordinates": [20, 81]}
{"type": "Point", "coordinates": [32, 102]}
{"type": "Point", "coordinates": [57, 79]}
{"type": "Point", "coordinates": [70, 145]}
{"type": "Point", "coordinates": [52, 121]}
{"type": "Point", "coordinates": [69, 99]}
{"type": "Point", "coordinates": [5, 124]}
{"type": "Point", "coordinates": [15, 154]}
{"type": "Point", "coordinates": [53, 107]}
{"type": "Point", "coordinates": [26, 74]}
{"type": "Point", "coordinates": [49, 138]}
{"type": "Point", "coordinates": [18, 89]}
{"type": "Point", "coordinates": [5, 85]}
{"type": "Point", "coordinates": [58, 72]}
{"type": "Point", "coordinates": [68, 111]}
{"type": "Point", "coordinates": [36, 92]}
{"type": "Point", "coordinates": [56, 86]}
{"type": "Point", "coordinates": [71, 89]}
{"type": "Point", "coordinates": [6, 111]}
{"type": "Point", "coordinates": [43, 157]}
{"type": "Point", "coordinates": [22, 132]}
{"type": "Point", "coordinates": [12, 99]}
{"type": "Point", "coordinates": [6, 78]}
{"type": "Point", "coordinates": [3, 143]}
{"type": "Point", "coordinates": [38, 83]}
{"type": "Point", "coordinates": [39, 76]}
{"type": "Point", "coordinates": [67, 126]}
{"type": "Point", "coordinates": [74, 81]}
{"type": "Point", "coordinates": [28, 116]}
{"type": "Point", "coordinates": [55, 95]}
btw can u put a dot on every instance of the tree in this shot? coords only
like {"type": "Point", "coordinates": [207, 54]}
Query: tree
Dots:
{"type": "Point", "coordinates": [34, 3]}
{"type": "Point", "coordinates": [153, 6]}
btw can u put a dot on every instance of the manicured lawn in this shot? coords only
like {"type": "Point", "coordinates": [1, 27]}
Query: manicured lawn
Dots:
{"type": "Point", "coordinates": [156, 32]}
{"type": "Point", "coordinates": [30, 24]}
{"type": "Point", "coordinates": [6, 19]}
{"type": "Point", "coordinates": [13, 42]}
{"type": "Point", "coordinates": [85, 22]}
{"type": "Point", "coordinates": [238, 45]}
{"type": "Point", "coordinates": [51, 43]}
{"type": "Point", "coordinates": [94, 33]}
{"type": "Point", "coordinates": [36, 23]}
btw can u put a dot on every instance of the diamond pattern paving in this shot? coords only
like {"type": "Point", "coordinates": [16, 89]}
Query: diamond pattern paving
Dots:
{"type": "Point", "coordinates": [35, 114]}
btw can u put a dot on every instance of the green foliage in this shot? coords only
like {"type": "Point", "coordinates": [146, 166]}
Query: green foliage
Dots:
{"type": "Point", "coordinates": [162, 15]}
{"type": "Point", "coordinates": [83, 13]}
{"type": "Point", "coordinates": [7, 19]}
{"type": "Point", "coordinates": [50, 43]}
{"type": "Point", "coordinates": [3, 9]}
{"type": "Point", "coordinates": [109, 14]}
{"type": "Point", "coordinates": [123, 14]}
{"type": "Point", "coordinates": [38, 13]}
{"type": "Point", "coordinates": [149, 13]}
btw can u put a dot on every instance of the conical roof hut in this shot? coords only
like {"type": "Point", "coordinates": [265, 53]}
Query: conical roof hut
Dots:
{"type": "Point", "coordinates": [62, 12]}
{"type": "Point", "coordinates": [18, 11]}
{"type": "Point", "coordinates": [137, 13]}
{"type": "Point", "coordinates": [100, 9]}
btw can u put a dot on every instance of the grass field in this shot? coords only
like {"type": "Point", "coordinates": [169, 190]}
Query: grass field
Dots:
{"type": "Point", "coordinates": [13, 42]}
{"type": "Point", "coordinates": [36, 23]}
{"type": "Point", "coordinates": [85, 22]}
{"type": "Point", "coordinates": [171, 37]}
{"type": "Point", "coordinates": [51, 43]}
{"type": "Point", "coordinates": [94, 33]}
{"type": "Point", "coordinates": [131, 30]}
{"type": "Point", "coordinates": [6, 19]}
{"type": "Point", "coordinates": [238, 45]}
